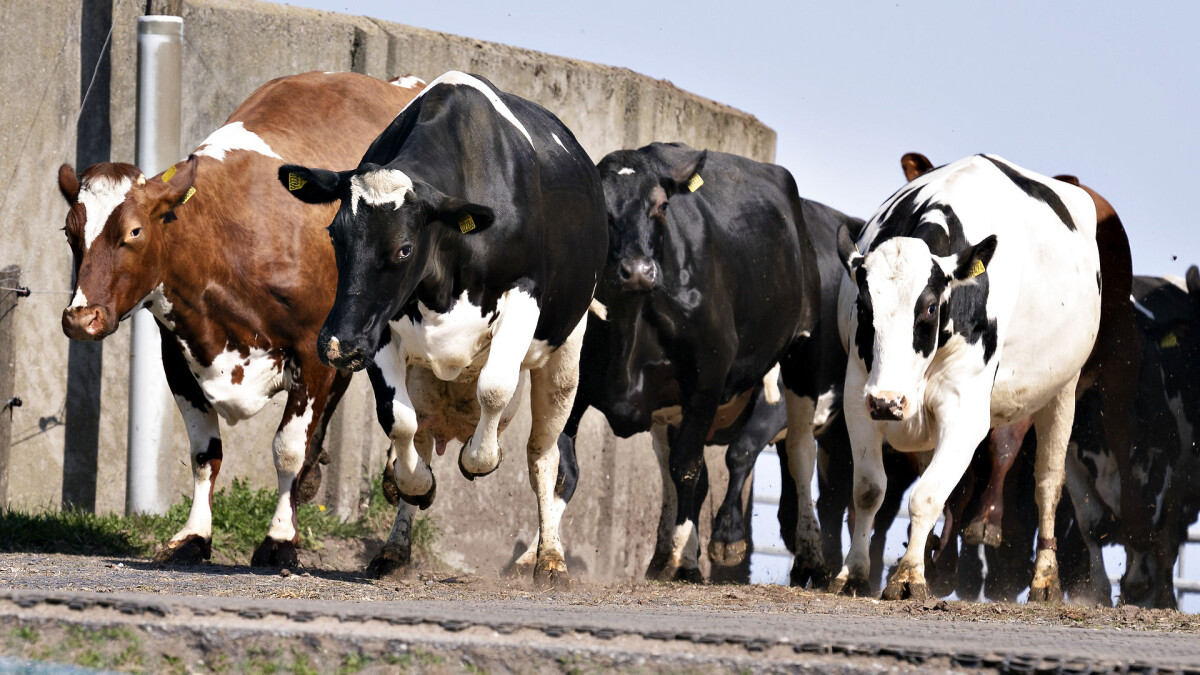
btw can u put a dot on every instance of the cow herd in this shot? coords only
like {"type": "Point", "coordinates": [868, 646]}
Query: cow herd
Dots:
{"type": "Point", "coordinates": [475, 252]}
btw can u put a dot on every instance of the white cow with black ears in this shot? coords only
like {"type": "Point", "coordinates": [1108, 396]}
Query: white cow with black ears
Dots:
{"type": "Point", "coordinates": [972, 301]}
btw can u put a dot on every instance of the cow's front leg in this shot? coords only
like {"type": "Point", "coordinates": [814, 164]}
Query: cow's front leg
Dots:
{"type": "Point", "coordinates": [413, 478]}
{"type": "Point", "coordinates": [498, 381]}
{"type": "Point", "coordinates": [193, 543]}
{"type": "Point", "coordinates": [955, 446]}
{"type": "Point", "coordinates": [302, 415]}
{"type": "Point", "coordinates": [395, 558]}
{"type": "Point", "coordinates": [1053, 426]}
{"type": "Point", "coordinates": [869, 484]}
{"type": "Point", "coordinates": [551, 394]}
{"type": "Point", "coordinates": [690, 478]}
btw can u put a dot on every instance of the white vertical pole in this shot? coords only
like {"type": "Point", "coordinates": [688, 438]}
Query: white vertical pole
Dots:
{"type": "Point", "coordinates": [160, 52]}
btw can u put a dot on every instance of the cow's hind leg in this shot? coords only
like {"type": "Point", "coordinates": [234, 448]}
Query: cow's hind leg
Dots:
{"type": "Point", "coordinates": [551, 394]}
{"type": "Point", "coordinates": [727, 545]}
{"type": "Point", "coordinates": [1053, 426]}
{"type": "Point", "coordinates": [193, 542]}
{"type": "Point", "coordinates": [663, 544]}
{"type": "Point", "coordinates": [1003, 446]}
{"type": "Point", "coordinates": [808, 562]}
{"type": "Point", "coordinates": [309, 482]}
{"type": "Point", "coordinates": [302, 415]}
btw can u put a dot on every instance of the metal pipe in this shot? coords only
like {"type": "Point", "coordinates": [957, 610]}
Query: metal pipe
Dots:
{"type": "Point", "coordinates": [160, 58]}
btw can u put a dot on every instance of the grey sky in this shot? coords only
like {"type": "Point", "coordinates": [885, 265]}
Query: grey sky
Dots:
{"type": "Point", "coordinates": [1107, 91]}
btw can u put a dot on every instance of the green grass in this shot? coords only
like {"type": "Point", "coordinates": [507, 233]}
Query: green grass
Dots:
{"type": "Point", "coordinates": [240, 519]}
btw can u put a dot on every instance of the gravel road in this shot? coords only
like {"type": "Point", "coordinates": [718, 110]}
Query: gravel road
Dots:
{"type": "Point", "coordinates": [213, 618]}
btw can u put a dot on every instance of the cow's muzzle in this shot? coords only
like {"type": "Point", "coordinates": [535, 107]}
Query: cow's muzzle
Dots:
{"type": "Point", "coordinates": [341, 355]}
{"type": "Point", "coordinates": [887, 406]}
{"type": "Point", "coordinates": [92, 322]}
{"type": "Point", "coordinates": [637, 275]}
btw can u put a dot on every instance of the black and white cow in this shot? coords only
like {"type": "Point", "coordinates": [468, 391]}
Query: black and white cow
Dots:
{"type": "Point", "coordinates": [469, 242]}
{"type": "Point", "coordinates": [1166, 457]}
{"type": "Point", "coordinates": [972, 301]}
{"type": "Point", "coordinates": [711, 281]}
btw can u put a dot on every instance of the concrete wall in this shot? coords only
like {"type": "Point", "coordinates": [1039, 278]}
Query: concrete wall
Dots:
{"type": "Point", "coordinates": [230, 48]}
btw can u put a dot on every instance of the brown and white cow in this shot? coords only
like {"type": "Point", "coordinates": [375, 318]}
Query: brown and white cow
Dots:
{"type": "Point", "coordinates": [238, 274]}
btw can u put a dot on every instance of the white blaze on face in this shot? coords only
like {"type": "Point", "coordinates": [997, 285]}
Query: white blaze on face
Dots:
{"type": "Point", "coordinates": [377, 188]}
{"type": "Point", "coordinates": [408, 82]}
{"type": "Point", "coordinates": [234, 136]}
{"type": "Point", "coordinates": [80, 300]}
{"type": "Point", "coordinates": [100, 196]}
{"type": "Point", "coordinates": [897, 272]}
{"type": "Point", "coordinates": [626, 171]}
{"type": "Point", "coordinates": [455, 77]}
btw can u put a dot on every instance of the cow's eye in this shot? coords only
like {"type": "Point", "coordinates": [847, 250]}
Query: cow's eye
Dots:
{"type": "Point", "coordinates": [404, 252]}
{"type": "Point", "coordinates": [930, 309]}
{"type": "Point", "coordinates": [135, 233]}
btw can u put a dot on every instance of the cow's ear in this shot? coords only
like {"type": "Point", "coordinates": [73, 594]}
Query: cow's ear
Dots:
{"type": "Point", "coordinates": [467, 217]}
{"type": "Point", "coordinates": [68, 183]}
{"type": "Point", "coordinates": [1067, 178]}
{"type": "Point", "coordinates": [973, 261]}
{"type": "Point", "coordinates": [915, 164]}
{"type": "Point", "coordinates": [312, 186]}
{"type": "Point", "coordinates": [683, 173]}
{"type": "Point", "coordinates": [170, 188]}
{"type": "Point", "coordinates": [1193, 282]}
{"type": "Point", "coordinates": [848, 252]}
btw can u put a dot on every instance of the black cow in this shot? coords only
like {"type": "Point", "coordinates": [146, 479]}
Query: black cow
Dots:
{"type": "Point", "coordinates": [1166, 458]}
{"type": "Point", "coordinates": [710, 281]}
{"type": "Point", "coordinates": [468, 243]}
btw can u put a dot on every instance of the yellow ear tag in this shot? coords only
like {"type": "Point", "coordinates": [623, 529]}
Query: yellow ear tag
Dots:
{"type": "Point", "coordinates": [1169, 342]}
{"type": "Point", "coordinates": [976, 269]}
{"type": "Point", "coordinates": [169, 174]}
{"type": "Point", "coordinates": [466, 223]}
{"type": "Point", "coordinates": [694, 182]}
{"type": "Point", "coordinates": [191, 191]}
{"type": "Point", "coordinates": [295, 182]}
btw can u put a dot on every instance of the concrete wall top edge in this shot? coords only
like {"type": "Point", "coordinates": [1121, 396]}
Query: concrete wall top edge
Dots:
{"type": "Point", "coordinates": [394, 29]}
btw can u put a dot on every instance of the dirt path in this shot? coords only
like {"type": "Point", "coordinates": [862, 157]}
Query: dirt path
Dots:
{"type": "Point", "coordinates": [327, 621]}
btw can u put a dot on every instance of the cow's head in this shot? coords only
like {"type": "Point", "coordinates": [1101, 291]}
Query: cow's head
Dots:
{"type": "Point", "coordinates": [904, 285]}
{"type": "Point", "coordinates": [638, 186]}
{"type": "Point", "coordinates": [389, 234]}
{"type": "Point", "coordinates": [115, 227]}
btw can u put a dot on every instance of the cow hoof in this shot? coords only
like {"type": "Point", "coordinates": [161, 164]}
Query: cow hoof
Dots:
{"type": "Point", "coordinates": [421, 501]}
{"type": "Point", "coordinates": [689, 575]}
{"type": "Point", "coordinates": [390, 492]}
{"type": "Point", "coordinates": [980, 531]}
{"type": "Point", "coordinates": [906, 586]}
{"type": "Point", "coordinates": [727, 554]}
{"type": "Point", "coordinates": [191, 550]}
{"type": "Point", "coordinates": [272, 553]}
{"type": "Point", "coordinates": [472, 476]}
{"type": "Point", "coordinates": [308, 484]}
{"type": "Point", "coordinates": [1050, 593]}
{"type": "Point", "coordinates": [802, 574]}
{"type": "Point", "coordinates": [551, 572]}
{"type": "Point", "coordinates": [389, 562]}
{"type": "Point", "coordinates": [853, 587]}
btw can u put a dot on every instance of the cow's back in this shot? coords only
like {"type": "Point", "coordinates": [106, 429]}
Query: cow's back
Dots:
{"type": "Point", "coordinates": [759, 272]}
{"type": "Point", "coordinates": [265, 255]}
